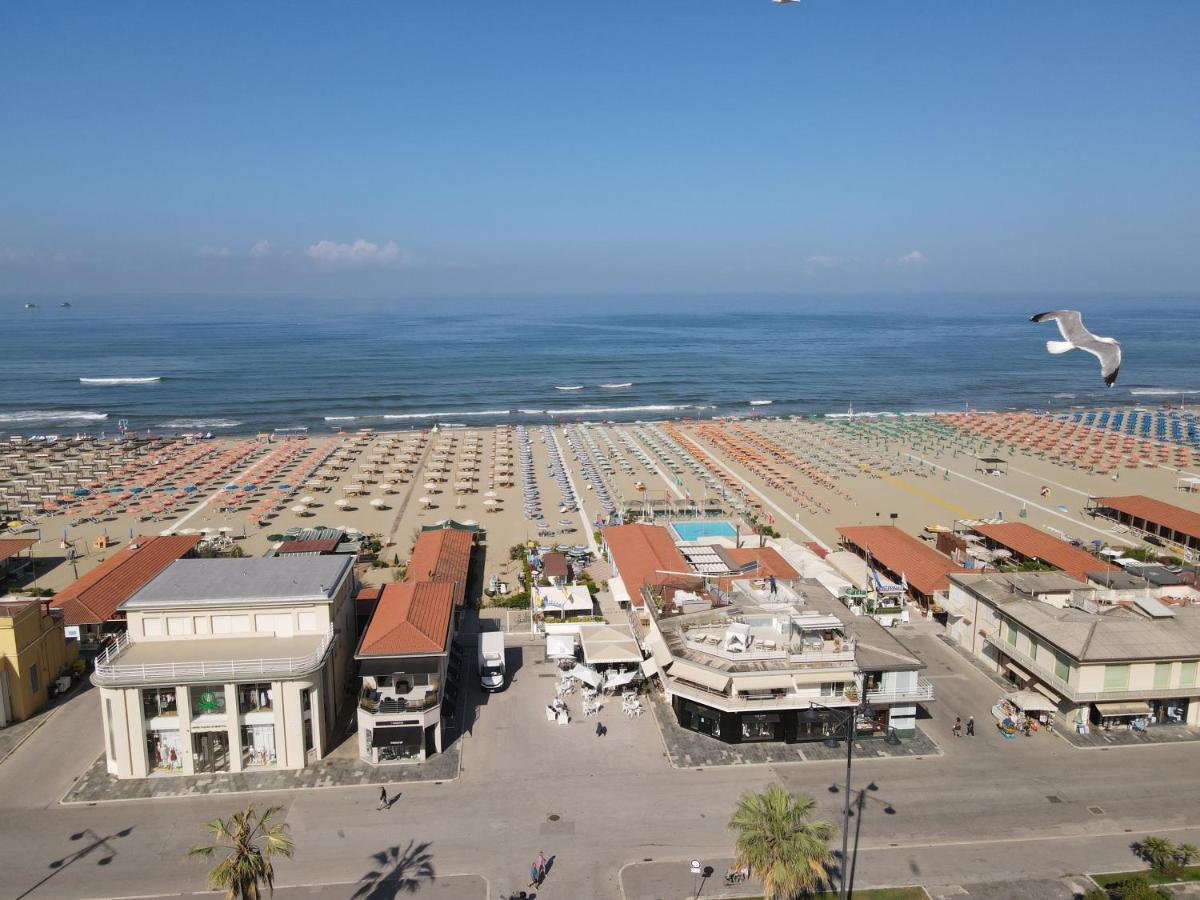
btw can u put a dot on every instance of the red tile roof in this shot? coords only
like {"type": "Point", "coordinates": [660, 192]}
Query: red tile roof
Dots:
{"type": "Point", "coordinates": [768, 559]}
{"type": "Point", "coordinates": [902, 554]}
{"type": "Point", "coordinates": [554, 565]}
{"type": "Point", "coordinates": [1025, 540]}
{"type": "Point", "coordinates": [1174, 517]}
{"type": "Point", "coordinates": [442, 555]}
{"type": "Point", "coordinates": [641, 553]}
{"type": "Point", "coordinates": [93, 599]}
{"type": "Point", "coordinates": [13, 546]}
{"type": "Point", "coordinates": [327, 546]}
{"type": "Point", "coordinates": [410, 617]}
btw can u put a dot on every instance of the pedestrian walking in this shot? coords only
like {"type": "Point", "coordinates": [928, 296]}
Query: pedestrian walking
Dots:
{"type": "Point", "coordinates": [971, 726]}
{"type": "Point", "coordinates": [601, 731]}
{"type": "Point", "coordinates": [383, 798]}
{"type": "Point", "coordinates": [541, 864]}
{"type": "Point", "coordinates": [774, 585]}
{"type": "Point", "coordinates": [958, 726]}
{"type": "Point", "coordinates": [533, 875]}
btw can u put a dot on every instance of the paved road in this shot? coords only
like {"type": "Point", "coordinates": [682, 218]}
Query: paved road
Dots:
{"type": "Point", "coordinates": [980, 812]}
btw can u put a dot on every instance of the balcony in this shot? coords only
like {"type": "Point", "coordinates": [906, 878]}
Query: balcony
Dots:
{"type": "Point", "coordinates": [386, 701]}
{"type": "Point", "coordinates": [745, 702]}
{"type": "Point", "coordinates": [923, 691]}
{"type": "Point", "coordinates": [198, 660]}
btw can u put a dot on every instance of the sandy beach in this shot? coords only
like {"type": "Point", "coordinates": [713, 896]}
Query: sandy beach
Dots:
{"type": "Point", "coordinates": [805, 476]}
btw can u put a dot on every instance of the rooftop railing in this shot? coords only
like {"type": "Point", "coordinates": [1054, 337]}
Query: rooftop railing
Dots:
{"type": "Point", "coordinates": [922, 690]}
{"type": "Point", "coordinates": [110, 671]}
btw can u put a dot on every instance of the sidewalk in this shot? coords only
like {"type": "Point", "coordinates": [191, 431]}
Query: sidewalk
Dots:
{"type": "Point", "coordinates": [97, 786]}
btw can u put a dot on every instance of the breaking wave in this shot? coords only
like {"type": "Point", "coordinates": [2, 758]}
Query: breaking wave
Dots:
{"type": "Point", "coordinates": [153, 379]}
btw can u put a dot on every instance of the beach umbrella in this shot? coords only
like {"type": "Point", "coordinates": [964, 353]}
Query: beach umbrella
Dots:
{"type": "Point", "coordinates": [490, 502]}
{"type": "Point", "coordinates": [342, 503]}
{"type": "Point", "coordinates": [299, 508]}
{"type": "Point", "coordinates": [307, 500]}
{"type": "Point", "coordinates": [491, 495]}
{"type": "Point", "coordinates": [424, 501]}
{"type": "Point", "coordinates": [377, 503]}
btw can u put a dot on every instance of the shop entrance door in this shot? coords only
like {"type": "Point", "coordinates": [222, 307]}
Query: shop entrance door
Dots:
{"type": "Point", "coordinates": [210, 751]}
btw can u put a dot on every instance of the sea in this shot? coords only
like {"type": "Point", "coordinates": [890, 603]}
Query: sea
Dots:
{"type": "Point", "coordinates": [250, 365]}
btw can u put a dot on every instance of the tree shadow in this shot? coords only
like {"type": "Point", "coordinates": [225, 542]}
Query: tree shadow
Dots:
{"type": "Point", "coordinates": [397, 871]}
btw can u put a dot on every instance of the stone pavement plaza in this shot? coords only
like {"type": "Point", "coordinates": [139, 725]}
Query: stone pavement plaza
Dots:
{"type": "Point", "coordinates": [612, 811]}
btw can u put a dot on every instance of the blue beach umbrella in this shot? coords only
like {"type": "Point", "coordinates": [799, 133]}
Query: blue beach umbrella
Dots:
{"type": "Point", "coordinates": [283, 487]}
{"type": "Point", "coordinates": [136, 490]}
{"type": "Point", "coordinates": [231, 487]}
{"type": "Point", "coordinates": [81, 492]}
{"type": "Point", "coordinates": [189, 489]}
{"type": "Point", "coordinates": [249, 487]}
{"type": "Point", "coordinates": [116, 490]}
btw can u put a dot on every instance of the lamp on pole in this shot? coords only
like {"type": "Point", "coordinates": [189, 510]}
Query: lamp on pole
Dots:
{"type": "Point", "coordinates": [860, 708]}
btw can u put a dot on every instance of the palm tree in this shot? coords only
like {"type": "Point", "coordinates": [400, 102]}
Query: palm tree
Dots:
{"type": "Point", "coordinates": [782, 848]}
{"type": "Point", "coordinates": [249, 840]}
{"type": "Point", "coordinates": [1157, 851]}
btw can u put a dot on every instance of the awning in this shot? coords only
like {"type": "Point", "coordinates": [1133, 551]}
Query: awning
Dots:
{"type": "Point", "coordinates": [587, 676]}
{"type": "Point", "coordinates": [811, 678]}
{"type": "Point", "coordinates": [619, 679]}
{"type": "Point", "coordinates": [391, 735]}
{"type": "Point", "coordinates": [560, 645]}
{"type": "Point", "coordinates": [772, 682]}
{"type": "Point", "coordinates": [1020, 673]}
{"type": "Point", "coordinates": [1125, 708]}
{"type": "Point", "coordinates": [1045, 691]}
{"type": "Point", "coordinates": [699, 675]}
{"type": "Point", "coordinates": [616, 587]}
{"type": "Point", "coordinates": [658, 649]}
{"type": "Point", "coordinates": [1031, 701]}
{"type": "Point", "coordinates": [649, 668]}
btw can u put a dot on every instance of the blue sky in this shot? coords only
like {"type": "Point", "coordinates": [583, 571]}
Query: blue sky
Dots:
{"type": "Point", "coordinates": [740, 146]}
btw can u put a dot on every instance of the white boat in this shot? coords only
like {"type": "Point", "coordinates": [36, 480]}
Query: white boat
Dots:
{"type": "Point", "coordinates": [574, 387]}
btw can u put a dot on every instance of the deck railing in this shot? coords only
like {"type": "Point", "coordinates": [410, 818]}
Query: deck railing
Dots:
{"type": "Point", "coordinates": [110, 671]}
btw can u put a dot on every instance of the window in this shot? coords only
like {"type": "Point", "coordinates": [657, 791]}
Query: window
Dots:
{"type": "Point", "coordinates": [832, 688]}
{"type": "Point", "coordinates": [163, 750]}
{"type": "Point", "coordinates": [34, 682]}
{"type": "Point", "coordinates": [177, 625]}
{"type": "Point", "coordinates": [255, 697]}
{"type": "Point", "coordinates": [207, 699]}
{"type": "Point", "coordinates": [308, 621]}
{"type": "Point", "coordinates": [1187, 674]}
{"type": "Point", "coordinates": [1011, 634]}
{"type": "Point", "coordinates": [158, 702]}
{"type": "Point", "coordinates": [305, 702]}
{"type": "Point", "coordinates": [222, 624]}
{"type": "Point", "coordinates": [200, 624]}
{"type": "Point", "coordinates": [1162, 675]}
{"type": "Point", "coordinates": [241, 624]}
{"type": "Point", "coordinates": [1116, 678]}
{"type": "Point", "coordinates": [761, 727]}
{"type": "Point", "coordinates": [1033, 649]}
{"type": "Point", "coordinates": [1062, 667]}
{"type": "Point", "coordinates": [152, 627]}
{"type": "Point", "coordinates": [258, 745]}
{"type": "Point", "coordinates": [112, 744]}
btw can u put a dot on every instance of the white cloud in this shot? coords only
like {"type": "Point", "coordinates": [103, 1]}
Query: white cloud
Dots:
{"type": "Point", "coordinates": [259, 249]}
{"type": "Point", "coordinates": [815, 264]}
{"type": "Point", "coordinates": [215, 252]}
{"type": "Point", "coordinates": [912, 260]}
{"type": "Point", "coordinates": [360, 254]}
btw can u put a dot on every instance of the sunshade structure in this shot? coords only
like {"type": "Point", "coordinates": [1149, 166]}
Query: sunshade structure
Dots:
{"type": "Point", "coordinates": [607, 644]}
{"type": "Point", "coordinates": [1031, 701]}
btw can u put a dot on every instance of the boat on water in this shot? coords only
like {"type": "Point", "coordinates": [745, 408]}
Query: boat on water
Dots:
{"type": "Point", "coordinates": [31, 306]}
{"type": "Point", "coordinates": [66, 304]}
{"type": "Point", "coordinates": [572, 387]}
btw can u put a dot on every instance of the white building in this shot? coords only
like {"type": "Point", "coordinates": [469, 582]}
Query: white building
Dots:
{"type": "Point", "coordinates": [229, 665]}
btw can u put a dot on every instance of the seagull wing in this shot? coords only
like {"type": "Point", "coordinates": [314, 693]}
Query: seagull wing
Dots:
{"type": "Point", "coordinates": [1069, 322]}
{"type": "Point", "coordinates": [1109, 354]}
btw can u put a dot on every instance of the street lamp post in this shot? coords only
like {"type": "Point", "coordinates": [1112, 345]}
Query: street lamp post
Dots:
{"type": "Point", "coordinates": [862, 707]}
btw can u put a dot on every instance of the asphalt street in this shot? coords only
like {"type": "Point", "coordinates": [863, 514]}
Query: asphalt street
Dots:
{"type": "Point", "coordinates": [611, 811]}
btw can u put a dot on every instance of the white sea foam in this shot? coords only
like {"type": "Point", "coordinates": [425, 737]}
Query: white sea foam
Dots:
{"type": "Point", "coordinates": [443, 415]}
{"type": "Point", "coordinates": [574, 387]}
{"type": "Point", "coordinates": [1064, 396]}
{"type": "Point", "coordinates": [340, 418]}
{"type": "Point", "coordinates": [41, 415]}
{"type": "Point", "coordinates": [200, 423]}
{"type": "Point", "coordinates": [621, 384]}
{"type": "Point", "coordinates": [153, 379]}
{"type": "Point", "coordinates": [761, 402]}
{"type": "Point", "coordinates": [531, 412]}
{"type": "Point", "coordinates": [586, 410]}
{"type": "Point", "coordinates": [1158, 392]}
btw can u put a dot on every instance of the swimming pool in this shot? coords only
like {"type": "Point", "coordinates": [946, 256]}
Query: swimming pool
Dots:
{"type": "Point", "coordinates": [695, 531]}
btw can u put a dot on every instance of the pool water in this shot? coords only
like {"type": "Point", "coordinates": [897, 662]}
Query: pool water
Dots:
{"type": "Point", "coordinates": [696, 531]}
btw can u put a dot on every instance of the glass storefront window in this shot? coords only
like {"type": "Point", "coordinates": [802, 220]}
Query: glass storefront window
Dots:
{"type": "Point", "coordinates": [163, 751]}
{"type": "Point", "coordinates": [207, 699]}
{"type": "Point", "coordinates": [258, 745]}
{"type": "Point", "coordinates": [761, 727]}
{"type": "Point", "coordinates": [254, 697]}
{"type": "Point", "coordinates": [158, 702]}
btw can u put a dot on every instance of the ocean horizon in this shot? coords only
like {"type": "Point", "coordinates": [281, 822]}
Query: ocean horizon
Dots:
{"type": "Point", "coordinates": [245, 366]}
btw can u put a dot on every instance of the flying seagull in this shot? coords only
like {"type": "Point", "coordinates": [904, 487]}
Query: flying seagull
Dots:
{"type": "Point", "coordinates": [1070, 324]}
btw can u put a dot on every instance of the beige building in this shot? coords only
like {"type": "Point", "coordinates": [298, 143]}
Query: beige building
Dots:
{"type": "Point", "coordinates": [229, 665]}
{"type": "Point", "coordinates": [33, 653]}
{"type": "Point", "coordinates": [1106, 657]}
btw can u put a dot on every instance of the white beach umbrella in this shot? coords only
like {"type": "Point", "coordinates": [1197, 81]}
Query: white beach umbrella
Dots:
{"type": "Point", "coordinates": [491, 495]}
{"type": "Point", "coordinates": [490, 502]}
{"type": "Point", "coordinates": [300, 508]}
{"type": "Point", "coordinates": [424, 501]}
{"type": "Point", "coordinates": [307, 500]}
{"type": "Point", "coordinates": [342, 503]}
{"type": "Point", "coordinates": [377, 503]}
